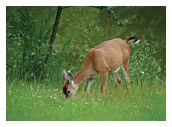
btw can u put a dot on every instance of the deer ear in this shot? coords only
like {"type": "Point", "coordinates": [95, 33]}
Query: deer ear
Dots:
{"type": "Point", "coordinates": [69, 76]}
{"type": "Point", "coordinates": [64, 75]}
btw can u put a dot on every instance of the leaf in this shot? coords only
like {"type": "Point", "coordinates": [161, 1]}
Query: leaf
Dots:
{"type": "Point", "coordinates": [33, 53]}
{"type": "Point", "coordinates": [53, 54]}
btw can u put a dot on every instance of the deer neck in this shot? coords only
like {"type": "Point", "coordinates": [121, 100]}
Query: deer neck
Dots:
{"type": "Point", "coordinates": [80, 76]}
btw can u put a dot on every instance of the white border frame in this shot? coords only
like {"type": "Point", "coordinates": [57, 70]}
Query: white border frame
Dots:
{"type": "Point", "coordinates": [4, 3]}
{"type": "Point", "coordinates": [86, 2]}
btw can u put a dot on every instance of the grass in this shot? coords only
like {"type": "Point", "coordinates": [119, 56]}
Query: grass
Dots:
{"type": "Point", "coordinates": [39, 103]}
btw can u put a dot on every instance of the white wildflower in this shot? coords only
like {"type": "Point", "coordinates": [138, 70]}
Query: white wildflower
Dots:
{"type": "Point", "coordinates": [142, 72]}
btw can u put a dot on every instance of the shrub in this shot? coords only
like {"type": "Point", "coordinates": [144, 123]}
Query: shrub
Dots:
{"type": "Point", "coordinates": [27, 40]}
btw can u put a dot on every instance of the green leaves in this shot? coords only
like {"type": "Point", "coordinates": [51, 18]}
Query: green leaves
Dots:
{"type": "Point", "coordinates": [141, 60]}
{"type": "Point", "coordinates": [33, 53]}
{"type": "Point", "coordinates": [26, 44]}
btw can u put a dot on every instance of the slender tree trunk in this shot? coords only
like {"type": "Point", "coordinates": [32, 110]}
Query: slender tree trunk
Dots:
{"type": "Point", "coordinates": [56, 23]}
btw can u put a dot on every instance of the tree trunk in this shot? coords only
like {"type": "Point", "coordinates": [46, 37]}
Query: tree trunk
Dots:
{"type": "Point", "coordinates": [56, 23]}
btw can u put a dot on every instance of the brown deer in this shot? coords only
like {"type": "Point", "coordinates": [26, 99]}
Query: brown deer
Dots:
{"type": "Point", "coordinates": [109, 56]}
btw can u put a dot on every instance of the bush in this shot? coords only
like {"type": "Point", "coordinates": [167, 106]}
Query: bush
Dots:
{"type": "Point", "coordinates": [27, 40]}
{"type": "Point", "coordinates": [144, 68]}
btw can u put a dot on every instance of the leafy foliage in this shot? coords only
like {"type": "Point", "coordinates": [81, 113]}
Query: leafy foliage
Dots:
{"type": "Point", "coordinates": [144, 68]}
{"type": "Point", "coordinates": [80, 29]}
{"type": "Point", "coordinates": [27, 44]}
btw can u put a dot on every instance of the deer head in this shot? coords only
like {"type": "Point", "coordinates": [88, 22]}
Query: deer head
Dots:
{"type": "Point", "coordinates": [69, 88]}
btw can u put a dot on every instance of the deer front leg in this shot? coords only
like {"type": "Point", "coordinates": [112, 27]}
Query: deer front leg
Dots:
{"type": "Point", "coordinates": [89, 83]}
{"type": "Point", "coordinates": [104, 82]}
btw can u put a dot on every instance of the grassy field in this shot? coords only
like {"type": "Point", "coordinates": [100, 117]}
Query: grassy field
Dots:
{"type": "Point", "coordinates": [39, 102]}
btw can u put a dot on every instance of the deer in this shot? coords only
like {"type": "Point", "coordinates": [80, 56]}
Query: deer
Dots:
{"type": "Point", "coordinates": [107, 57]}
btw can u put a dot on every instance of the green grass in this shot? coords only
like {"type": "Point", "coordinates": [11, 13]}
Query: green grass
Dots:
{"type": "Point", "coordinates": [39, 102]}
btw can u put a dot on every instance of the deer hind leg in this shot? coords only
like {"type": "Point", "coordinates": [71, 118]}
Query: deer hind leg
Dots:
{"type": "Point", "coordinates": [104, 82]}
{"type": "Point", "coordinates": [89, 83]}
{"type": "Point", "coordinates": [117, 79]}
{"type": "Point", "coordinates": [125, 70]}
